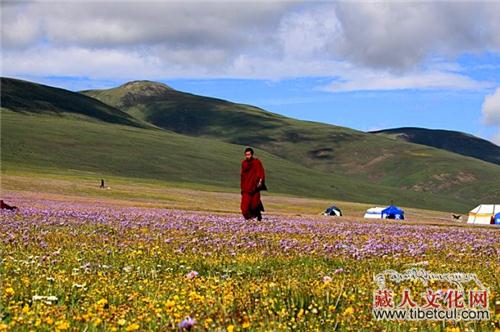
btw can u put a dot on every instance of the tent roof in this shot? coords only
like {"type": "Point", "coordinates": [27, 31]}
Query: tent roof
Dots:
{"type": "Point", "coordinates": [486, 208]}
{"type": "Point", "coordinates": [392, 209]}
{"type": "Point", "coordinates": [375, 209]}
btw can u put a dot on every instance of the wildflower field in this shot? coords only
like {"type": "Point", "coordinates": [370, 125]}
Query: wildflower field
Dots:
{"type": "Point", "coordinates": [103, 267]}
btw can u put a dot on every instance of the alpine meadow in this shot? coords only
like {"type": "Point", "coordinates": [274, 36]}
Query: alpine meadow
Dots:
{"type": "Point", "coordinates": [257, 166]}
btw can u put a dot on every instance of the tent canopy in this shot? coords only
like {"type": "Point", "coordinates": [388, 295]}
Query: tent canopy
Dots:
{"type": "Point", "coordinates": [333, 211]}
{"type": "Point", "coordinates": [374, 213]}
{"type": "Point", "coordinates": [393, 212]}
{"type": "Point", "coordinates": [484, 214]}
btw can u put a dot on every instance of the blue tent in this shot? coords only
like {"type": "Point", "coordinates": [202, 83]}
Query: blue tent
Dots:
{"type": "Point", "coordinates": [393, 212]}
{"type": "Point", "coordinates": [496, 219]}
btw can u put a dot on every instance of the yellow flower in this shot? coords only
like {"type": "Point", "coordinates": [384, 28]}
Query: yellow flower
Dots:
{"type": "Point", "coordinates": [26, 309]}
{"type": "Point", "coordinates": [122, 322]}
{"type": "Point", "coordinates": [9, 291]}
{"type": "Point", "coordinates": [230, 328]}
{"type": "Point", "coordinates": [62, 325]}
{"type": "Point", "coordinates": [349, 311]}
{"type": "Point", "coordinates": [102, 302]}
{"type": "Point", "coordinates": [132, 327]}
{"type": "Point", "coordinates": [170, 304]}
{"type": "Point", "coordinates": [246, 325]}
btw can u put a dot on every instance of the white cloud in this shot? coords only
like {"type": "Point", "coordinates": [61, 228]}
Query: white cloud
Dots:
{"type": "Point", "coordinates": [491, 113]}
{"type": "Point", "coordinates": [398, 35]}
{"type": "Point", "coordinates": [491, 108]}
{"type": "Point", "coordinates": [383, 80]}
{"type": "Point", "coordinates": [226, 25]}
{"type": "Point", "coordinates": [496, 138]}
{"type": "Point", "coordinates": [309, 33]}
{"type": "Point", "coordinates": [160, 63]}
{"type": "Point", "coordinates": [367, 45]}
{"type": "Point", "coordinates": [19, 30]}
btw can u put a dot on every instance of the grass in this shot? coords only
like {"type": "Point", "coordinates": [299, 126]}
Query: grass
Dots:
{"type": "Point", "coordinates": [38, 142]}
{"type": "Point", "coordinates": [79, 186]}
{"type": "Point", "coordinates": [85, 261]}
{"type": "Point", "coordinates": [457, 142]}
{"type": "Point", "coordinates": [326, 148]}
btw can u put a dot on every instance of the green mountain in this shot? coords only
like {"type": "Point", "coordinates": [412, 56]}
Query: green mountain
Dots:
{"type": "Point", "coordinates": [453, 141]}
{"type": "Point", "coordinates": [28, 97]}
{"type": "Point", "coordinates": [36, 137]}
{"type": "Point", "coordinates": [353, 154]}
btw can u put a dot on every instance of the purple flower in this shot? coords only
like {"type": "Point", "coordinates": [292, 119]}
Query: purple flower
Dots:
{"type": "Point", "coordinates": [187, 323]}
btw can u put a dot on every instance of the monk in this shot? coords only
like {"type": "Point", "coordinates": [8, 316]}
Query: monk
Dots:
{"type": "Point", "coordinates": [252, 183]}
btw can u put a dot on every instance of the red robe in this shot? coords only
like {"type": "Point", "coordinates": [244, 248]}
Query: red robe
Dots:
{"type": "Point", "coordinates": [251, 172]}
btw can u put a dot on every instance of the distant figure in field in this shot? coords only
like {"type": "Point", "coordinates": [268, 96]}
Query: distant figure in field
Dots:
{"type": "Point", "coordinates": [252, 183]}
{"type": "Point", "coordinates": [6, 206]}
{"type": "Point", "coordinates": [102, 183]}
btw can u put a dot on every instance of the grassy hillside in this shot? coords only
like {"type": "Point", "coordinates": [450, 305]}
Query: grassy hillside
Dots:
{"type": "Point", "coordinates": [453, 141]}
{"type": "Point", "coordinates": [335, 150]}
{"type": "Point", "coordinates": [65, 144]}
{"type": "Point", "coordinates": [28, 97]}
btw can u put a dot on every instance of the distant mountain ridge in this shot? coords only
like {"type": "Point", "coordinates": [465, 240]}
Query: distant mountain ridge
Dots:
{"type": "Point", "coordinates": [454, 141]}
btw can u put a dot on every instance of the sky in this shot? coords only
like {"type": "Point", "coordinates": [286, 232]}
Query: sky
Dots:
{"type": "Point", "coordinates": [367, 65]}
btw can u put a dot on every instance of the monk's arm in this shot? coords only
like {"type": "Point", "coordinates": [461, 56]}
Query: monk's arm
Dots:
{"type": "Point", "coordinates": [261, 174]}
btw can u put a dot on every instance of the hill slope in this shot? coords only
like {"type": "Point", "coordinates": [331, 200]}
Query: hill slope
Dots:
{"type": "Point", "coordinates": [65, 140]}
{"type": "Point", "coordinates": [452, 141]}
{"type": "Point", "coordinates": [65, 143]}
{"type": "Point", "coordinates": [24, 96]}
{"type": "Point", "coordinates": [335, 150]}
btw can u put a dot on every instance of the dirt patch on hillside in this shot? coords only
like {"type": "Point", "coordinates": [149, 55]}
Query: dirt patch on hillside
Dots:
{"type": "Point", "coordinates": [443, 181]}
{"type": "Point", "coordinates": [322, 153]}
{"type": "Point", "coordinates": [356, 168]}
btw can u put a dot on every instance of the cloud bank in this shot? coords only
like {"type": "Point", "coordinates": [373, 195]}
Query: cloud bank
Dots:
{"type": "Point", "coordinates": [491, 113]}
{"type": "Point", "coordinates": [364, 46]}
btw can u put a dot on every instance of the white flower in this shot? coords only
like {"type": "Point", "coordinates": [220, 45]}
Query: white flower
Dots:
{"type": "Point", "coordinates": [46, 299]}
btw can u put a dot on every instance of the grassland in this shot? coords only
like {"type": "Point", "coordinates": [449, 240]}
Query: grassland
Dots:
{"type": "Point", "coordinates": [326, 148]}
{"type": "Point", "coordinates": [58, 145]}
{"type": "Point", "coordinates": [145, 255]}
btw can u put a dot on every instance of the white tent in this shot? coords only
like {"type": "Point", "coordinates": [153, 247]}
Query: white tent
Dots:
{"type": "Point", "coordinates": [374, 213]}
{"type": "Point", "coordinates": [483, 214]}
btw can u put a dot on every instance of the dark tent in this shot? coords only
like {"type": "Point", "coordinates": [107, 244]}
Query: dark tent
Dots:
{"type": "Point", "coordinates": [333, 211]}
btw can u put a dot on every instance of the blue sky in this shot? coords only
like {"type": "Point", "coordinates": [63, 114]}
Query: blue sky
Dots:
{"type": "Point", "coordinates": [366, 65]}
